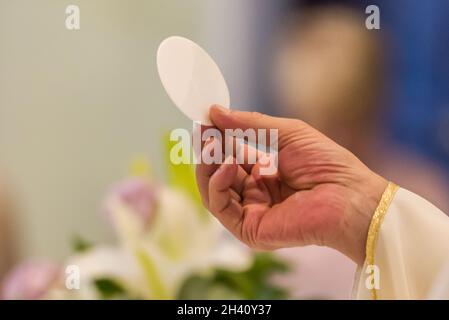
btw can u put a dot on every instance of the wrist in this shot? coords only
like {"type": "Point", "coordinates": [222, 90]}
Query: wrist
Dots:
{"type": "Point", "coordinates": [362, 207]}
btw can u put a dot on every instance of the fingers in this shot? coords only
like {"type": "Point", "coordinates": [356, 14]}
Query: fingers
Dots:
{"type": "Point", "coordinates": [203, 175]}
{"type": "Point", "coordinates": [223, 203]}
{"type": "Point", "coordinates": [246, 155]}
{"type": "Point", "coordinates": [231, 119]}
{"type": "Point", "coordinates": [205, 171]}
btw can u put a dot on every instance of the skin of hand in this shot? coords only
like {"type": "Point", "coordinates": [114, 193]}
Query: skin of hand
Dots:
{"type": "Point", "coordinates": [321, 194]}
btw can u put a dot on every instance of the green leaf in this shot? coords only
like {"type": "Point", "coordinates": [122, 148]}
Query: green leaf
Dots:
{"type": "Point", "coordinates": [153, 279]}
{"type": "Point", "coordinates": [248, 284]}
{"type": "Point", "coordinates": [109, 288]}
{"type": "Point", "coordinates": [80, 245]}
{"type": "Point", "coordinates": [182, 176]}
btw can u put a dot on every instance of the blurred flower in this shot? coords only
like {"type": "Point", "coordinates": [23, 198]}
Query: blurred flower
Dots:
{"type": "Point", "coordinates": [105, 262]}
{"type": "Point", "coordinates": [30, 281]}
{"type": "Point", "coordinates": [184, 241]}
{"type": "Point", "coordinates": [137, 196]}
{"type": "Point", "coordinates": [165, 237]}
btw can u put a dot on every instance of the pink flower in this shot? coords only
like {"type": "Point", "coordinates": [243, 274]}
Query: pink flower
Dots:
{"type": "Point", "coordinates": [138, 195]}
{"type": "Point", "coordinates": [30, 281]}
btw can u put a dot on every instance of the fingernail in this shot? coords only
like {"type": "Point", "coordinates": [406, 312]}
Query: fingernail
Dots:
{"type": "Point", "coordinates": [221, 109]}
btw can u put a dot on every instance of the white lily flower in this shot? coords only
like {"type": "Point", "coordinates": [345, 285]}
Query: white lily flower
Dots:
{"type": "Point", "coordinates": [104, 262]}
{"type": "Point", "coordinates": [182, 241]}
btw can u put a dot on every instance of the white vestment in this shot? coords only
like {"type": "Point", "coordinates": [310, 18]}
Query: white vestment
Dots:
{"type": "Point", "coordinates": [407, 250]}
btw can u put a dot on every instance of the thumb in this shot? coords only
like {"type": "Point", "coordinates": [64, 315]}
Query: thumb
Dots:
{"type": "Point", "coordinates": [224, 118]}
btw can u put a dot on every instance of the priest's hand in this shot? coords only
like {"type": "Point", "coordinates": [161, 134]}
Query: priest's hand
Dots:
{"type": "Point", "coordinates": [321, 194]}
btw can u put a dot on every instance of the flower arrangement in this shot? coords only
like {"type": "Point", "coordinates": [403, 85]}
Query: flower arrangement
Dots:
{"type": "Point", "coordinates": [168, 247]}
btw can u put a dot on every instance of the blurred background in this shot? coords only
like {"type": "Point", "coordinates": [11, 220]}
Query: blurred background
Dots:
{"type": "Point", "coordinates": [76, 107]}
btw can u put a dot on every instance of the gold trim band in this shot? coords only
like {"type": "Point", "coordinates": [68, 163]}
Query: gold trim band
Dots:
{"type": "Point", "coordinates": [376, 223]}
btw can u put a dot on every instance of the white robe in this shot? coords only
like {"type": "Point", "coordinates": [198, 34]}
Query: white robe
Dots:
{"type": "Point", "coordinates": [408, 244]}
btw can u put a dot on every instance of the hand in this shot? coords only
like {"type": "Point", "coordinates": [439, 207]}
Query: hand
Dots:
{"type": "Point", "coordinates": [321, 194]}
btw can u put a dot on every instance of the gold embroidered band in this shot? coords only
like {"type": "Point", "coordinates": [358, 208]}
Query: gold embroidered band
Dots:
{"type": "Point", "coordinates": [375, 225]}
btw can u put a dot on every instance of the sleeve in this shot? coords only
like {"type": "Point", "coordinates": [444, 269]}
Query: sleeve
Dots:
{"type": "Point", "coordinates": [407, 248]}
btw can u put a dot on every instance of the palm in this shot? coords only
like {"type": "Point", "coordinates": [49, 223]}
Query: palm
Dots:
{"type": "Point", "coordinates": [291, 202]}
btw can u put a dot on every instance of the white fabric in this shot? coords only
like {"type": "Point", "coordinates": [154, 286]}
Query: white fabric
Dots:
{"type": "Point", "coordinates": [412, 252]}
